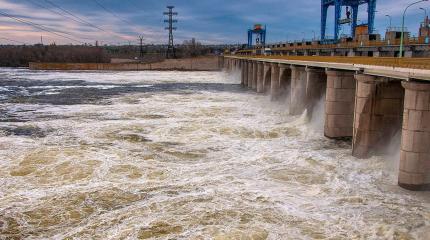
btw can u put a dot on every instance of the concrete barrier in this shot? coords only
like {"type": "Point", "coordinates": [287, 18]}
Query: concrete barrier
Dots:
{"type": "Point", "coordinates": [187, 64]}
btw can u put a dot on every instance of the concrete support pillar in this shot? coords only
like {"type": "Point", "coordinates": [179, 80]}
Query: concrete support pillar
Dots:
{"type": "Point", "coordinates": [260, 77]}
{"type": "Point", "coordinates": [267, 77]}
{"type": "Point", "coordinates": [275, 87]}
{"type": "Point", "coordinates": [221, 62]}
{"type": "Point", "coordinates": [243, 72]}
{"type": "Point", "coordinates": [254, 75]}
{"type": "Point", "coordinates": [298, 90]}
{"type": "Point", "coordinates": [285, 81]}
{"type": "Point", "coordinates": [339, 104]}
{"type": "Point", "coordinates": [316, 82]}
{"type": "Point", "coordinates": [377, 115]}
{"type": "Point", "coordinates": [250, 72]}
{"type": "Point", "coordinates": [414, 171]}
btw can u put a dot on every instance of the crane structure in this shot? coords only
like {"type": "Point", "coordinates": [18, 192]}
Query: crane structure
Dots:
{"type": "Point", "coordinates": [170, 53]}
{"type": "Point", "coordinates": [354, 5]}
{"type": "Point", "coordinates": [260, 32]}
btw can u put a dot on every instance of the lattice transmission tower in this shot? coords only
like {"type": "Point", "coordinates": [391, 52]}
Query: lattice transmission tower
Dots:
{"type": "Point", "coordinates": [170, 53]}
{"type": "Point", "coordinates": [141, 47]}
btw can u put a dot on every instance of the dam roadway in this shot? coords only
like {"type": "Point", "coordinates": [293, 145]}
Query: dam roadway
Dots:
{"type": "Point", "coordinates": [370, 100]}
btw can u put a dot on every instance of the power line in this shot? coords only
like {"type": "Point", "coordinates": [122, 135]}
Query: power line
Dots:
{"type": "Point", "coordinates": [75, 16]}
{"type": "Point", "coordinates": [131, 3]}
{"type": "Point", "coordinates": [81, 20]}
{"type": "Point", "coordinates": [40, 27]}
{"type": "Point", "coordinates": [112, 12]}
{"type": "Point", "coordinates": [11, 40]}
{"type": "Point", "coordinates": [58, 13]}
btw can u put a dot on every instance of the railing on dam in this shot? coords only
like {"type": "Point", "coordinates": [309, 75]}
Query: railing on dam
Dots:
{"type": "Point", "coordinates": [414, 63]}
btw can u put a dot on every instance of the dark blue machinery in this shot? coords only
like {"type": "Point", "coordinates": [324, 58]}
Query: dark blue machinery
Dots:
{"type": "Point", "coordinates": [354, 5]}
{"type": "Point", "coordinates": [260, 33]}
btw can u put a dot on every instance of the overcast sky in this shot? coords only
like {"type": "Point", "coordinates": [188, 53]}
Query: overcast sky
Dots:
{"type": "Point", "coordinates": [209, 21]}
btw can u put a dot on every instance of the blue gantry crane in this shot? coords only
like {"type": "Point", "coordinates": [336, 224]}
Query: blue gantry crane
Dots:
{"type": "Point", "coordinates": [260, 33]}
{"type": "Point", "coordinates": [351, 5]}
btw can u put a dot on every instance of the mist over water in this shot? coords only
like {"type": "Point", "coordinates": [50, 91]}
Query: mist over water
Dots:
{"type": "Point", "coordinates": [183, 155]}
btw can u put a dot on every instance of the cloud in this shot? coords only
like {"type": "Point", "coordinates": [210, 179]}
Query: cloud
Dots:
{"type": "Point", "coordinates": [209, 21]}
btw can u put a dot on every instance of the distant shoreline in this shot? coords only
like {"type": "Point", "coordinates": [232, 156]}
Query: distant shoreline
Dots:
{"type": "Point", "coordinates": [212, 63]}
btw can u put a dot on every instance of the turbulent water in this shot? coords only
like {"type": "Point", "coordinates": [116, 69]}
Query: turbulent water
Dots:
{"type": "Point", "coordinates": [183, 155]}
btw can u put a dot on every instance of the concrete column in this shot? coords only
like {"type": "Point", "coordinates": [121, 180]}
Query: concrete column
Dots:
{"type": "Point", "coordinates": [285, 81]}
{"type": "Point", "coordinates": [254, 75]}
{"type": "Point", "coordinates": [267, 78]}
{"type": "Point", "coordinates": [221, 62]}
{"type": "Point", "coordinates": [260, 77]}
{"type": "Point", "coordinates": [275, 86]}
{"type": "Point", "coordinates": [250, 72]}
{"type": "Point", "coordinates": [377, 115]}
{"type": "Point", "coordinates": [414, 171]}
{"type": "Point", "coordinates": [298, 90]}
{"type": "Point", "coordinates": [243, 72]}
{"type": "Point", "coordinates": [316, 82]}
{"type": "Point", "coordinates": [339, 104]}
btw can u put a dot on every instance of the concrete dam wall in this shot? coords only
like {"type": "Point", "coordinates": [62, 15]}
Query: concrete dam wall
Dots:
{"type": "Point", "coordinates": [189, 64]}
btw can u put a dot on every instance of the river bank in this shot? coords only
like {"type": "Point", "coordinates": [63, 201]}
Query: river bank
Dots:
{"type": "Point", "coordinates": [212, 63]}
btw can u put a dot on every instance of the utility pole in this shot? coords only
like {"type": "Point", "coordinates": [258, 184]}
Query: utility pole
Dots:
{"type": "Point", "coordinates": [170, 53]}
{"type": "Point", "coordinates": [403, 27]}
{"type": "Point", "coordinates": [141, 47]}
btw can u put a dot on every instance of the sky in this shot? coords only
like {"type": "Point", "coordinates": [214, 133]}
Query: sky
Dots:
{"type": "Point", "coordinates": [208, 21]}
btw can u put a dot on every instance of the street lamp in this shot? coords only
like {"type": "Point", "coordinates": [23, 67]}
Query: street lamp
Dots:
{"type": "Point", "coordinates": [403, 26]}
{"type": "Point", "coordinates": [390, 20]}
{"type": "Point", "coordinates": [425, 13]}
{"type": "Point", "coordinates": [315, 35]}
{"type": "Point", "coordinates": [304, 36]}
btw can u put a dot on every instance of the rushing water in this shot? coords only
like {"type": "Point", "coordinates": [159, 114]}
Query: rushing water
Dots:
{"type": "Point", "coordinates": [183, 155]}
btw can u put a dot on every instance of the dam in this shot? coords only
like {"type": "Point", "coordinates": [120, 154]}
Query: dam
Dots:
{"type": "Point", "coordinates": [368, 103]}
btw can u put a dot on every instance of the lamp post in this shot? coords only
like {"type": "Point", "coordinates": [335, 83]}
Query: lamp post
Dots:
{"type": "Point", "coordinates": [391, 21]}
{"type": "Point", "coordinates": [425, 23]}
{"type": "Point", "coordinates": [403, 26]}
{"type": "Point", "coordinates": [304, 36]}
{"type": "Point", "coordinates": [315, 35]}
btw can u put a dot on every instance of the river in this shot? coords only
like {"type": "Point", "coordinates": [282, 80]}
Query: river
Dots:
{"type": "Point", "coordinates": [183, 155]}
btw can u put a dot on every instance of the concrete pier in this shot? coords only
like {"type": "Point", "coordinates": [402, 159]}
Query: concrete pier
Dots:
{"type": "Point", "coordinates": [285, 81]}
{"type": "Point", "coordinates": [260, 78]}
{"type": "Point", "coordinates": [339, 104]}
{"type": "Point", "coordinates": [250, 73]}
{"type": "Point", "coordinates": [275, 86]}
{"type": "Point", "coordinates": [415, 148]}
{"type": "Point", "coordinates": [378, 114]}
{"type": "Point", "coordinates": [243, 72]}
{"type": "Point", "coordinates": [267, 77]}
{"type": "Point", "coordinates": [298, 90]}
{"type": "Point", "coordinates": [254, 75]}
{"type": "Point", "coordinates": [316, 84]}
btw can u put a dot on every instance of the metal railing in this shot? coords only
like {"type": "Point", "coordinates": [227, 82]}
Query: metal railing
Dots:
{"type": "Point", "coordinates": [414, 63]}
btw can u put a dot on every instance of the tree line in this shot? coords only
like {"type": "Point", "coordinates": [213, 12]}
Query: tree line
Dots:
{"type": "Point", "coordinates": [20, 56]}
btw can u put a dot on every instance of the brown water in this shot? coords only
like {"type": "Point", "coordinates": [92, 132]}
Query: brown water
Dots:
{"type": "Point", "coordinates": [179, 155]}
